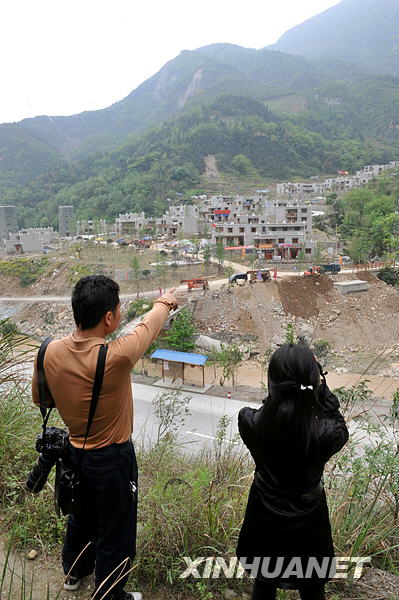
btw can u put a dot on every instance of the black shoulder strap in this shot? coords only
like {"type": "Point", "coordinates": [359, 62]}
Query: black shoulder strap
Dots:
{"type": "Point", "coordinates": [98, 380]}
{"type": "Point", "coordinates": [42, 378]}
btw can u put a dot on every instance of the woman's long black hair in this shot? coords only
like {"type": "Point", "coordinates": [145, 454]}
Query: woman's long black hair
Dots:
{"type": "Point", "coordinates": [287, 424]}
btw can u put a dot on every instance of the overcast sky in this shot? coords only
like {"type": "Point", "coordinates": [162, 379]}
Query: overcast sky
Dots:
{"type": "Point", "coordinates": [60, 57]}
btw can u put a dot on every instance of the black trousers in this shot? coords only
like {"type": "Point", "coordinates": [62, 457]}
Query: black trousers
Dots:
{"type": "Point", "coordinates": [108, 519]}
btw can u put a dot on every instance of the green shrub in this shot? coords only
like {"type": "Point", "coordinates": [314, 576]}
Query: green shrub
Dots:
{"type": "Point", "coordinates": [138, 307]}
{"type": "Point", "coordinates": [27, 269]}
{"type": "Point", "coordinates": [27, 279]}
{"type": "Point", "coordinates": [389, 276]}
{"type": "Point", "coordinates": [180, 336]}
{"type": "Point", "coordinates": [8, 328]}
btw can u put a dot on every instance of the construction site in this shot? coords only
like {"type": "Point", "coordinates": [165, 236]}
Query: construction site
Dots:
{"type": "Point", "coordinates": [359, 329]}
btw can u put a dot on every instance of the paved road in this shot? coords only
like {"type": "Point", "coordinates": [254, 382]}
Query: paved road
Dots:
{"type": "Point", "coordinates": [201, 426]}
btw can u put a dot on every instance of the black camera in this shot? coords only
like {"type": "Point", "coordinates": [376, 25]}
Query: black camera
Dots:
{"type": "Point", "coordinates": [52, 444]}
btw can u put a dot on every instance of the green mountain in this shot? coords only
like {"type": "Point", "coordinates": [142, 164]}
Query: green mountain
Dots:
{"type": "Point", "coordinates": [166, 163]}
{"type": "Point", "coordinates": [262, 114]}
{"type": "Point", "coordinates": [362, 31]}
{"type": "Point", "coordinates": [334, 99]}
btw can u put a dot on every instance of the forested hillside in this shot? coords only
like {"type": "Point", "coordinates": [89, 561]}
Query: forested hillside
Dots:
{"type": "Point", "coordinates": [335, 100]}
{"type": "Point", "coordinates": [362, 31]}
{"type": "Point", "coordinates": [248, 140]}
{"type": "Point", "coordinates": [263, 114]}
{"type": "Point", "coordinates": [368, 219]}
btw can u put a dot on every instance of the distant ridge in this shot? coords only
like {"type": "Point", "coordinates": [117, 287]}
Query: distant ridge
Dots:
{"type": "Point", "coordinates": [362, 31]}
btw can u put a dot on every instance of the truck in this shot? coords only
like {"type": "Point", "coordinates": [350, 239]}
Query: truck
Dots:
{"type": "Point", "coordinates": [199, 283]}
{"type": "Point", "coordinates": [331, 268]}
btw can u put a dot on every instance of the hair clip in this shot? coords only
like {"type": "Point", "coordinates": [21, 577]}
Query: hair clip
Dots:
{"type": "Point", "coordinates": [306, 387]}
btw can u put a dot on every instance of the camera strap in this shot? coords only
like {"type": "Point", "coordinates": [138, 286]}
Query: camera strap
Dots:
{"type": "Point", "coordinates": [98, 380]}
{"type": "Point", "coordinates": [41, 377]}
{"type": "Point", "coordinates": [44, 390]}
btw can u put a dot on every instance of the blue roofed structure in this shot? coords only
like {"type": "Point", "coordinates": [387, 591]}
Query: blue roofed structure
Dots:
{"type": "Point", "coordinates": [185, 358]}
{"type": "Point", "coordinates": [190, 358]}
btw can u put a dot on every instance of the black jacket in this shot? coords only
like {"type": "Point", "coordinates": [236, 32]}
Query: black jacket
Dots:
{"type": "Point", "coordinates": [298, 481]}
{"type": "Point", "coordinates": [287, 514]}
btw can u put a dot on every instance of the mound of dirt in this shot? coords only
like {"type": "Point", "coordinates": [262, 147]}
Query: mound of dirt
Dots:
{"type": "Point", "coordinates": [303, 296]}
{"type": "Point", "coordinates": [366, 276]}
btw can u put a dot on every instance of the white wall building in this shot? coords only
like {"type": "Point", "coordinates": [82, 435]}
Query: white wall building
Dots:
{"type": "Point", "coordinates": [30, 240]}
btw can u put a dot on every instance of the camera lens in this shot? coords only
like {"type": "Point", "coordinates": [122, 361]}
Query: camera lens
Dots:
{"type": "Point", "coordinates": [38, 475]}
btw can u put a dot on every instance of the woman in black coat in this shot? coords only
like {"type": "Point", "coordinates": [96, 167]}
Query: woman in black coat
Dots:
{"type": "Point", "coordinates": [285, 540]}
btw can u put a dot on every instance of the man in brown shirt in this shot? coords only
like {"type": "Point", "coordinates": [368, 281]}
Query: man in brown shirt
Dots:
{"type": "Point", "coordinates": [107, 463]}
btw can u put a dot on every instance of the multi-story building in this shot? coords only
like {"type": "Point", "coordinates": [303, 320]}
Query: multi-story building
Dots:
{"type": "Point", "coordinates": [65, 220]}
{"type": "Point", "coordinates": [342, 183]}
{"type": "Point", "coordinates": [8, 224]}
{"type": "Point", "coordinates": [91, 227]}
{"type": "Point", "coordinates": [182, 219]}
{"type": "Point", "coordinates": [134, 224]}
{"type": "Point", "coordinates": [278, 229]}
{"type": "Point", "coordinates": [34, 239]}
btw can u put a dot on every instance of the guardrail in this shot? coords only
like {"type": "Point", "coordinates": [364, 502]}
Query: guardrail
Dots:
{"type": "Point", "coordinates": [367, 266]}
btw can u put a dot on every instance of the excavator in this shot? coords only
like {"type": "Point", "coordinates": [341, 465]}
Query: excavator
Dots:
{"type": "Point", "coordinates": [312, 272]}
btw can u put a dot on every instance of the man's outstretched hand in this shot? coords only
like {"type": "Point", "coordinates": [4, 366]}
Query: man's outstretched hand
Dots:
{"type": "Point", "coordinates": [171, 298]}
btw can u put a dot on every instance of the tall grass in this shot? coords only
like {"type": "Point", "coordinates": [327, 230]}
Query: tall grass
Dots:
{"type": "Point", "coordinates": [190, 505]}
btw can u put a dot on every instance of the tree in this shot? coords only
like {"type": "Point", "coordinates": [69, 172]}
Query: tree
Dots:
{"type": "Point", "coordinates": [171, 410]}
{"type": "Point", "coordinates": [229, 358]}
{"type": "Point", "coordinates": [290, 335]}
{"type": "Point", "coordinates": [317, 256]}
{"type": "Point", "coordinates": [146, 273]}
{"type": "Point", "coordinates": [207, 257]}
{"type": "Point", "coordinates": [181, 334]}
{"type": "Point", "coordinates": [228, 271]}
{"type": "Point", "coordinates": [220, 254]}
{"type": "Point", "coordinates": [300, 259]}
{"type": "Point", "coordinates": [135, 266]}
{"type": "Point", "coordinates": [160, 269]}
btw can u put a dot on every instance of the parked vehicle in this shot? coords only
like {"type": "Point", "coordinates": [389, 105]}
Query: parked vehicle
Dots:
{"type": "Point", "coordinates": [234, 278]}
{"type": "Point", "coordinates": [145, 243]}
{"type": "Point", "coordinates": [253, 275]}
{"type": "Point", "coordinates": [312, 272]}
{"type": "Point", "coordinates": [331, 268]}
{"type": "Point", "coordinates": [200, 283]}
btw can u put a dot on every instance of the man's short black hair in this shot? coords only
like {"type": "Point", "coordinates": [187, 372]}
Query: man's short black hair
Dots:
{"type": "Point", "coordinates": [92, 298]}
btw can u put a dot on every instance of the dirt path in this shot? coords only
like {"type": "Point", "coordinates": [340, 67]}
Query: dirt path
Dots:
{"type": "Point", "coordinates": [34, 579]}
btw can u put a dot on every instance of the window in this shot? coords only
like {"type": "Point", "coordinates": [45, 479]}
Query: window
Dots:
{"type": "Point", "coordinates": [304, 210]}
{"type": "Point", "coordinates": [285, 228]}
{"type": "Point", "coordinates": [242, 229]}
{"type": "Point", "coordinates": [304, 219]}
{"type": "Point", "coordinates": [294, 240]}
{"type": "Point", "coordinates": [308, 251]}
{"type": "Point", "coordinates": [281, 240]}
{"type": "Point", "coordinates": [253, 229]}
{"type": "Point", "coordinates": [229, 230]}
{"type": "Point", "coordinates": [263, 229]}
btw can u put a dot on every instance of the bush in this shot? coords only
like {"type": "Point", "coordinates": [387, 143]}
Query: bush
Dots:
{"type": "Point", "coordinates": [321, 348]}
{"type": "Point", "coordinates": [27, 269]}
{"type": "Point", "coordinates": [8, 328]}
{"type": "Point", "coordinates": [389, 276]}
{"type": "Point", "coordinates": [138, 307]}
{"type": "Point", "coordinates": [27, 279]}
{"type": "Point", "coordinates": [181, 334]}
